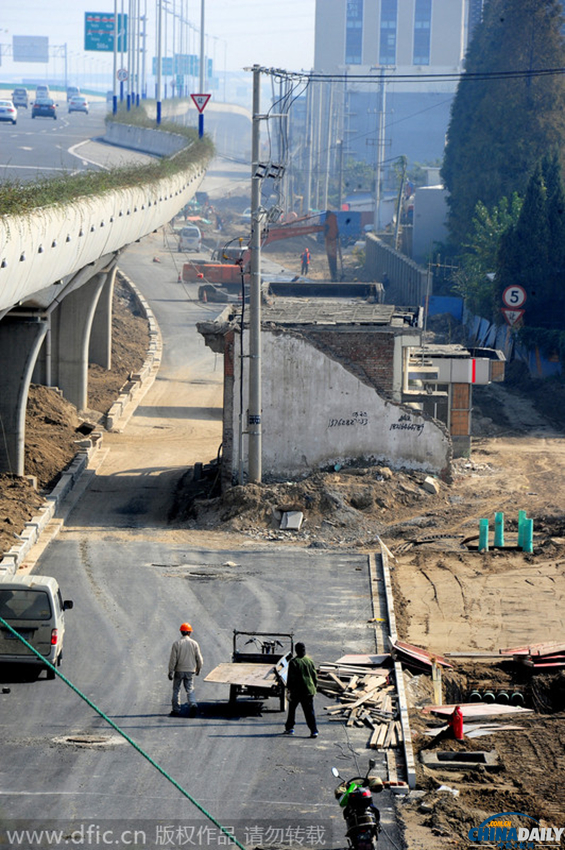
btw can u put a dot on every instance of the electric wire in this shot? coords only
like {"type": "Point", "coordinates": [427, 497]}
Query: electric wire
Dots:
{"type": "Point", "coordinates": [121, 732]}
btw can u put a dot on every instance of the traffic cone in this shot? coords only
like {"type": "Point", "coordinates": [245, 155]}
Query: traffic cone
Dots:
{"type": "Point", "coordinates": [179, 279]}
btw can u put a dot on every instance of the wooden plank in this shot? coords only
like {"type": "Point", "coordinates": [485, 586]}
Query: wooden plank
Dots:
{"type": "Point", "coordinates": [250, 675]}
{"type": "Point", "coordinates": [382, 735]}
{"type": "Point", "coordinates": [388, 736]}
{"type": "Point", "coordinates": [370, 660]}
{"type": "Point", "coordinates": [337, 681]}
{"type": "Point", "coordinates": [540, 649]}
{"type": "Point", "coordinates": [418, 654]}
{"type": "Point", "coordinates": [476, 710]}
{"type": "Point", "coordinates": [351, 718]}
{"type": "Point", "coordinates": [374, 737]}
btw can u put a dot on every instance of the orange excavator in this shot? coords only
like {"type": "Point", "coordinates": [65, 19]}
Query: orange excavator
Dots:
{"type": "Point", "coordinates": [228, 274]}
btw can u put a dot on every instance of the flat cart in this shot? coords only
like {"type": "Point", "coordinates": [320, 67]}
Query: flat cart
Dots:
{"type": "Point", "coordinates": [259, 672]}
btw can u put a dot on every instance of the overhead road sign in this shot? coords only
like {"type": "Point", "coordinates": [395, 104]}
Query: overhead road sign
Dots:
{"type": "Point", "coordinates": [30, 48]}
{"type": "Point", "coordinates": [200, 101]}
{"type": "Point", "coordinates": [99, 32]}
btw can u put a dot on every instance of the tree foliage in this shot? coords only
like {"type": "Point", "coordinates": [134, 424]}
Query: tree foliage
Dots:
{"type": "Point", "coordinates": [501, 126]}
{"type": "Point", "coordinates": [531, 254]}
{"type": "Point", "coordinates": [474, 279]}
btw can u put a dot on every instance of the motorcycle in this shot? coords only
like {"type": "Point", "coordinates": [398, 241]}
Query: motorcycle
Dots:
{"type": "Point", "coordinates": [361, 816]}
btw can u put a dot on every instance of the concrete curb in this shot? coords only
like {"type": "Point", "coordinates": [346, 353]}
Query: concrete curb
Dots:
{"type": "Point", "coordinates": [399, 679]}
{"type": "Point", "coordinates": [138, 384]}
{"type": "Point", "coordinates": [118, 415]}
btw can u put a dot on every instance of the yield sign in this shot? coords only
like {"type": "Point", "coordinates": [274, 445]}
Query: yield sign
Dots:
{"type": "Point", "coordinates": [200, 101]}
{"type": "Point", "coordinates": [512, 316]}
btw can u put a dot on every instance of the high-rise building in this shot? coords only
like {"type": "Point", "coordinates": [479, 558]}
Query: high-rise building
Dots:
{"type": "Point", "coordinates": [406, 43]}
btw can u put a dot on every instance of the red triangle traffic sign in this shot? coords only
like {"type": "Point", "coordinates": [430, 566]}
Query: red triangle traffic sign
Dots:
{"type": "Point", "coordinates": [512, 316]}
{"type": "Point", "coordinates": [200, 101]}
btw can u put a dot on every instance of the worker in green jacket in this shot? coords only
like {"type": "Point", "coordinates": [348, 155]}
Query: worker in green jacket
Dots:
{"type": "Point", "coordinates": [302, 684]}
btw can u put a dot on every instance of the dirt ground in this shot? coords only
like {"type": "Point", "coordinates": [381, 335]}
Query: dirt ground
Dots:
{"type": "Point", "coordinates": [53, 425]}
{"type": "Point", "coordinates": [449, 598]}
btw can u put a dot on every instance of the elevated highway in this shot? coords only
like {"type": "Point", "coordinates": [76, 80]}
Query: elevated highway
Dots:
{"type": "Point", "coordinates": [57, 269]}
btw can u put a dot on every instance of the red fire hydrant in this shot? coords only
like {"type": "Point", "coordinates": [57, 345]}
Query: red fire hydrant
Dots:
{"type": "Point", "coordinates": [456, 723]}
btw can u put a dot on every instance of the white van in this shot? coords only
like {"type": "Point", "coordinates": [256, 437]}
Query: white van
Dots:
{"type": "Point", "coordinates": [33, 606]}
{"type": "Point", "coordinates": [42, 92]}
{"type": "Point", "coordinates": [190, 238]}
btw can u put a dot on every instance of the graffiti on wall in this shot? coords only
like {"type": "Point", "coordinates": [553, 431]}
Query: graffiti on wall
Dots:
{"type": "Point", "coordinates": [405, 424]}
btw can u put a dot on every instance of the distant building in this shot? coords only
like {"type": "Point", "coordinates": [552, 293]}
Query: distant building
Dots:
{"type": "Point", "coordinates": [408, 39]}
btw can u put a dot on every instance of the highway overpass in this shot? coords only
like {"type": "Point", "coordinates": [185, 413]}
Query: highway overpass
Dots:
{"type": "Point", "coordinates": [57, 269]}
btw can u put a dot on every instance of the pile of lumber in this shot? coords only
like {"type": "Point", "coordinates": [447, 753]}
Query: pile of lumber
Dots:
{"type": "Point", "coordinates": [365, 697]}
{"type": "Point", "coordinates": [541, 656]}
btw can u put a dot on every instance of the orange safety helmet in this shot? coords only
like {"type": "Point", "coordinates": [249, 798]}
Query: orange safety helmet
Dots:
{"type": "Point", "coordinates": [186, 627]}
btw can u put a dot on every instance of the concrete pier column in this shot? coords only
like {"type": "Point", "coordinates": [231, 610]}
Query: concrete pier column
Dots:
{"type": "Point", "coordinates": [71, 326]}
{"type": "Point", "coordinates": [20, 341]}
{"type": "Point", "coordinates": [101, 333]}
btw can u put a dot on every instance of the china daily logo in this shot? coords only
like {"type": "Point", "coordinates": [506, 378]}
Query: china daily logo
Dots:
{"type": "Point", "coordinates": [499, 830]}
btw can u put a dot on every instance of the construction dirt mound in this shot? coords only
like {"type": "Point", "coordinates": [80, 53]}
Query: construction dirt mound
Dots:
{"type": "Point", "coordinates": [54, 426]}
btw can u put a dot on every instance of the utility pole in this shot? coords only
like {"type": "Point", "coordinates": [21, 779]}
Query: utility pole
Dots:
{"type": "Point", "coordinates": [380, 154]}
{"type": "Point", "coordinates": [308, 138]}
{"type": "Point", "coordinates": [254, 411]}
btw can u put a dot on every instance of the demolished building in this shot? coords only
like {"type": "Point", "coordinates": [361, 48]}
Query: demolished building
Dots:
{"type": "Point", "coordinates": [345, 382]}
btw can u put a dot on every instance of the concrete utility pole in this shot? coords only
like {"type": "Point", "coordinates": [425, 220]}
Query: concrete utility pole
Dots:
{"type": "Point", "coordinates": [254, 412]}
{"type": "Point", "coordinates": [380, 154]}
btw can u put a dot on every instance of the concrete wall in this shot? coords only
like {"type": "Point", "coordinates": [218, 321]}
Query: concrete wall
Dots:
{"type": "Point", "coordinates": [408, 281]}
{"type": "Point", "coordinates": [143, 139]}
{"type": "Point", "coordinates": [316, 413]}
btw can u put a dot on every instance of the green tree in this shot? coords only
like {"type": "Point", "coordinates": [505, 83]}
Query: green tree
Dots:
{"type": "Point", "coordinates": [474, 279]}
{"type": "Point", "coordinates": [501, 126]}
{"type": "Point", "coordinates": [532, 253]}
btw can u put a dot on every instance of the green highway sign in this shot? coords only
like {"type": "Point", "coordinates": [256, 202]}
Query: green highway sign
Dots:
{"type": "Point", "coordinates": [99, 32]}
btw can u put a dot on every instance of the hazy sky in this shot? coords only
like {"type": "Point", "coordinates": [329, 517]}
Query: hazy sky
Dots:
{"type": "Point", "coordinates": [277, 33]}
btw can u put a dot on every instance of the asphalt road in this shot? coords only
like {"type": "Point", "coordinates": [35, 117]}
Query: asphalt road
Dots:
{"type": "Point", "coordinates": [133, 580]}
{"type": "Point", "coordinates": [42, 147]}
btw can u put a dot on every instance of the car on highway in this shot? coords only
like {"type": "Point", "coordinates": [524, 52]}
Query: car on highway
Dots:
{"type": "Point", "coordinates": [42, 91]}
{"type": "Point", "coordinates": [72, 91]}
{"type": "Point", "coordinates": [79, 103]}
{"type": "Point", "coordinates": [8, 111]}
{"type": "Point", "coordinates": [20, 97]}
{"type": "Point", "coordinates": [44, 107]}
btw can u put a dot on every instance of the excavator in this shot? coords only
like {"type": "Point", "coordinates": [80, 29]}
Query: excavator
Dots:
{"type": "Point", "coordinates": [228, 274]}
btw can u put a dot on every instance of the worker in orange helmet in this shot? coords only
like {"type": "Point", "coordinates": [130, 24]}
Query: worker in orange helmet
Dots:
{"type": "Point", "coordinates": [184, 663]}
{"type": "Point", "coordinates": [305, 257]}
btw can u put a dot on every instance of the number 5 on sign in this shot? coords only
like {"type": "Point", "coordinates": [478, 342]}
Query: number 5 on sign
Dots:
{"type": "Point", "coordinates": [514, 296]}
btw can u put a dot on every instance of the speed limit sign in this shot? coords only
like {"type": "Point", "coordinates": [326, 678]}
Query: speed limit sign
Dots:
{"type": "Point", "coordinates": [122, 75]}
{"type": "Point", "coordinates": [514, 296]}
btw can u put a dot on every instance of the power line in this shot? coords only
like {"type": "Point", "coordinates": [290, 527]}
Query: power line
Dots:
{"type": "Point", "coordinates": [453, 76]}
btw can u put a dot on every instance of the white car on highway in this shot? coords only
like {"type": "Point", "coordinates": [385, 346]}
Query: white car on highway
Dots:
{"type": "Point", "coordinates": [8, 111]}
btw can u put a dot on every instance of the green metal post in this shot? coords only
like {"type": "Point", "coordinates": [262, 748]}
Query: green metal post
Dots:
{"type": "Point", "coordinates": [499, 529]}
{"type": "Point", "coordinates": [528, 539]}
{"type": "Point", "coordinates": [483, 535]}
{"type": "Point", "coordinates": [521, 521]}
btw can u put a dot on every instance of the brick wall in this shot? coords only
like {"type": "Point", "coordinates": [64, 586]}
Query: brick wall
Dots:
{"type": "Point", "coordinates": [366, 352]}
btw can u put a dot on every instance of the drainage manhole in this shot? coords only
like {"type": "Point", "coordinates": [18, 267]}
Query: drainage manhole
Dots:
{"type": "Point", "coordinates": [86, 739]}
